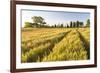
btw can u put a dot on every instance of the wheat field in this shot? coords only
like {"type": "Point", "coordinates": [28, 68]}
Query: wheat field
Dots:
{"type": "Point", "coordinates": [55, 44]}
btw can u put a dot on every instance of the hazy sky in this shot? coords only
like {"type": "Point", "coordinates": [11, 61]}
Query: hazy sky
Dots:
{"type": "Point", "coordinates": [54, 17]}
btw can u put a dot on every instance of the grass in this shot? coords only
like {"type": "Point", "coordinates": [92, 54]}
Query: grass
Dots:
{"type": "Point", "coordinates": [54, 44]}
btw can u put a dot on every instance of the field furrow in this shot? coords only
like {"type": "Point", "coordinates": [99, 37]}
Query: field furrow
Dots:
{"type": "Point", "coordinates": [41, 48]}
{"type": "Point", "coordinates": [85, 39]}
{"type": "Point", "coordinates": [45, 44]}
{"type": "Point", "coordinates": [70, 48]}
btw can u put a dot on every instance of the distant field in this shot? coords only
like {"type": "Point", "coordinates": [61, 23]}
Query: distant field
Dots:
{"type": "Point", "coordinates": [55, 44]}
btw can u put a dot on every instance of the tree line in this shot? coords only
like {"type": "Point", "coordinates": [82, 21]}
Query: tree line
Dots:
{"type": "Point", "coordinates": [39, 22]}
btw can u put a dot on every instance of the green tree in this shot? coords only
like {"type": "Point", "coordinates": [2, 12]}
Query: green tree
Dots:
{"type": "Point", "coordinates": [77, 23]}
{"type": "Point", "coordinates": [88, 23]}
{"type": "Point", "coordinates": [61, 25]}
{"type": "Point", "coordinates": [74, 24]}
{"type": "Point", "coordinates": [81, 24]}
{"type": "Point", "coordinates": [71, 24]}
{"type": "Point", "coordinates": [55, 25]}
{"type": "Point", "coordinates": [67, 26]}
{"type": "Point", "coordinates": [38, 20]}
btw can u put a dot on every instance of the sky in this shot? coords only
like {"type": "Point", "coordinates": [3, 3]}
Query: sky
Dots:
{"type": "Point", "coordinates": [54, 17]}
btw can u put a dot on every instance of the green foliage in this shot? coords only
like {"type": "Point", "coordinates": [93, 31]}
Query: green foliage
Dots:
{"type": "Point", "coordinates": [77, 24]}
{"type": "Point", "coordinates": [38, 20]}
{"type": "Point", "coordinates": [71, 24]}
{"type": "Point", "coordinates": [88, 23]}
{"type": "Point", "coordinates": [28, 24]}
{"type": "Point", "coordinates": [81, 24]}
{"type": "Point", "coordinates": [62, 25]}
{"type": "Point", "coordinates": [74, 24]}
{"type": "Point", "coordinates": [67, 26]}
